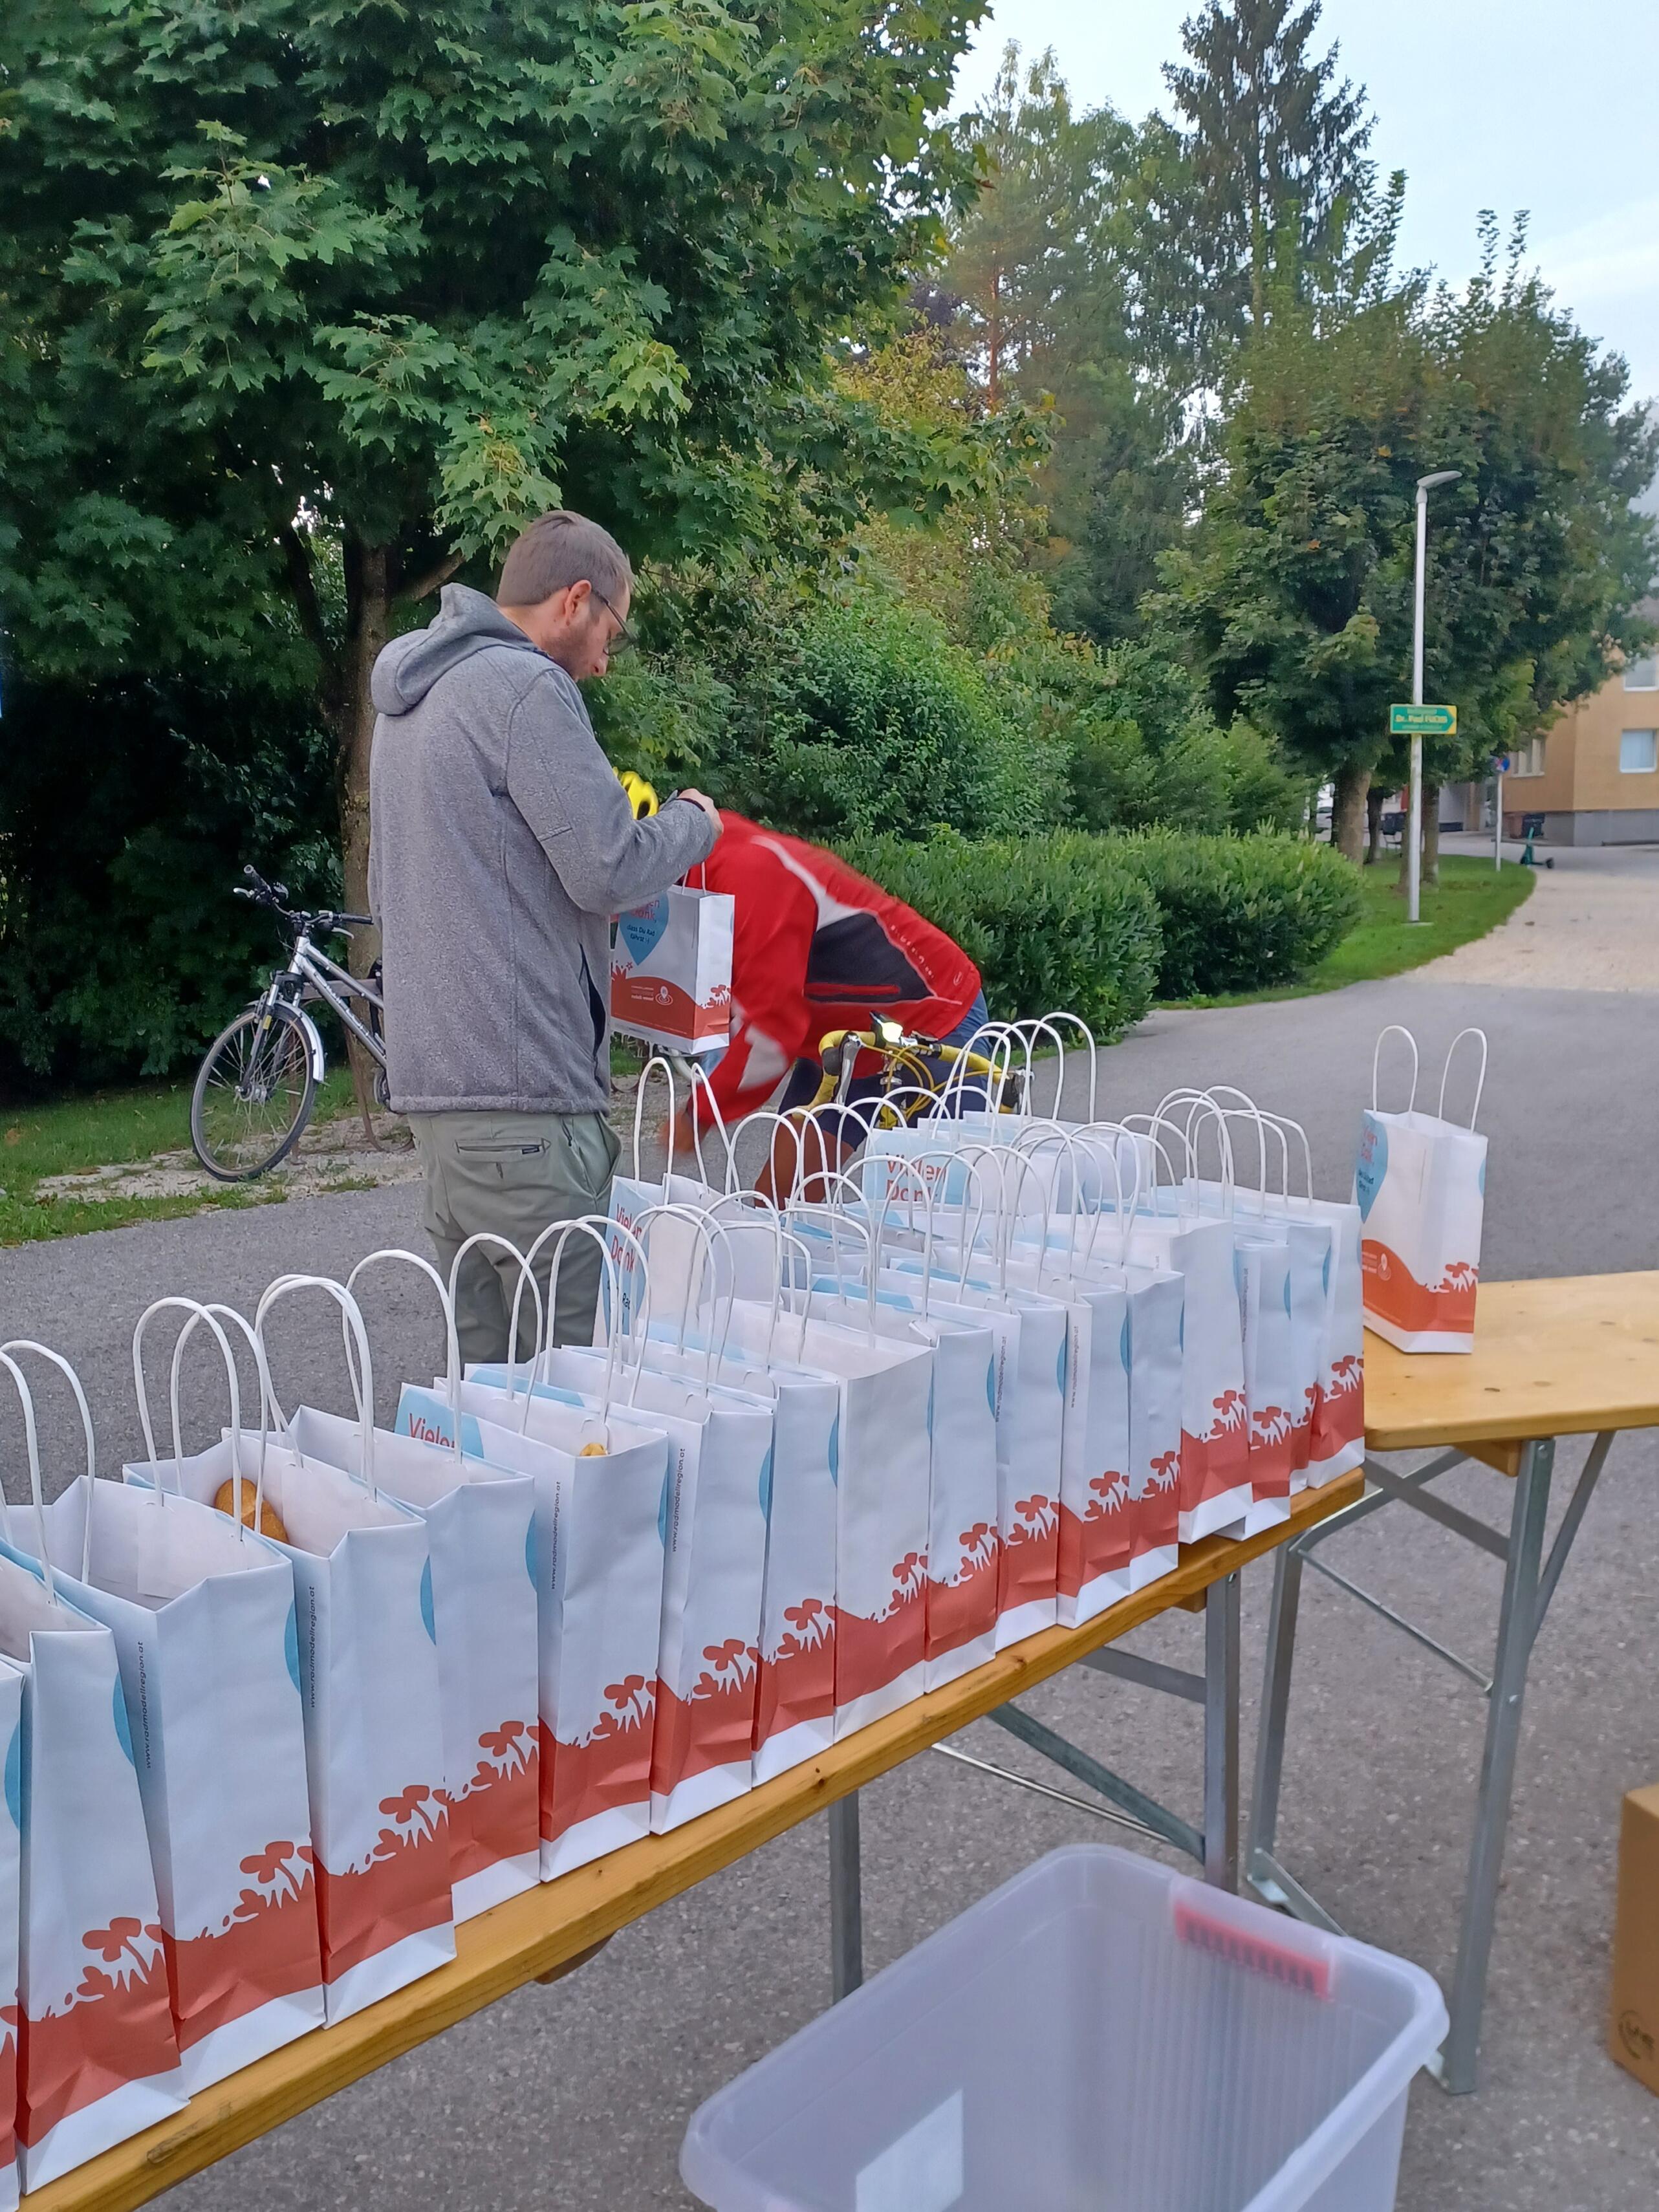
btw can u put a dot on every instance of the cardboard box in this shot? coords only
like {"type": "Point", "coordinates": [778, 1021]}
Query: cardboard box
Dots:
{"type": "Point", "coordinates": [1633, 2027]}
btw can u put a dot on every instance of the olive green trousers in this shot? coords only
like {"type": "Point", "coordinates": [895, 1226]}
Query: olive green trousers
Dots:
{"type": "Point", "coordinates": [513, 1175]}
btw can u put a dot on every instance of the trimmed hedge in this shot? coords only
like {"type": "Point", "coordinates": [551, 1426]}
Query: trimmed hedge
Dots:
{"type": "Point", "coordinates": [1103, 925]}
{"type": "Point", "coordinates": [1242, 914]}
{"type": "Point", "coordinates": [1047, 926]}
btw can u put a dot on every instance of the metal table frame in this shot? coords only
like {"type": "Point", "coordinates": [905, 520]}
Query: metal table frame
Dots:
{"type": "Point", "coordinates": [1214, 1845]}
{"type": "Point", "coordinates": [1530, 1583]}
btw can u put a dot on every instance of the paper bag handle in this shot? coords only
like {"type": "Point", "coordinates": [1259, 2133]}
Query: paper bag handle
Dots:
{"type": "Point", "coordinates": [361, 1374]}
{"type": "Point", "coordinates": [601, 1229]}
{"type": "Point", "coordinates": [1393, 1029]}
{"type": "Point", "coordinates": [44, 1352]}
{"type": "Point", "coordinates": [1480, 1080]}
{"type": "Point", "coordinates": [32, 1440]}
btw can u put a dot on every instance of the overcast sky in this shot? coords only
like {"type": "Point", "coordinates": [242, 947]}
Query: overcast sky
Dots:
{"type": "Point", "coordinates": [1547, 104]}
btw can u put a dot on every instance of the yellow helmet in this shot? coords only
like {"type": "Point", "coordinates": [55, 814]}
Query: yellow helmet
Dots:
{"type": "Point", "coordinates": [642, 796]}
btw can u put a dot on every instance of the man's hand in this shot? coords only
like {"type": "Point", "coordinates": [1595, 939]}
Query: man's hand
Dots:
{"type": "Point", "coordinates": [700, 798]}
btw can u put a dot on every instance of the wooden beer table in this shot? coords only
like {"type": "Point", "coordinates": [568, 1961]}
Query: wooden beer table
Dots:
{"type": "Point", "coordinates": [551, 1930]}
{"type": "Point", "coordinates": [1577, 1356]}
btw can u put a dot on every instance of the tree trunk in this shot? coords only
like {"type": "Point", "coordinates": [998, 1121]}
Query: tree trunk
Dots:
{"type": "Point", "coordinates": [1374, 798]}
{"type": "Point", "coordinates": [1348, 810]}
{"type": "Point", "coordinates": [994, 344]}
{"type": "Point", "coordinates": [1430, 832]}
{"type": "Point", "coordinates": [369, 624]}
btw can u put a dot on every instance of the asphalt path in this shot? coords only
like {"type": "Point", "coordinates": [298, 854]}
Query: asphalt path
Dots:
{"type": "Point", "coordinates": [576, 2096]}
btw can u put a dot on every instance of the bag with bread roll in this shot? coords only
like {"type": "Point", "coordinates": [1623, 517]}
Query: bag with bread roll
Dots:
{"type": "Point", "coordinates": [368, 1681]}
{"type": "Point", "coordinates": [202, 1614]}
{"type": "Point", "coordinates": [478, 1519]}
{"type": "Point", "coordinates": [96, 2057]}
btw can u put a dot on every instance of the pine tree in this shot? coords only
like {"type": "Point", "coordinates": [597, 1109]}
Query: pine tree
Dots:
{"type": "Point", "coordinates": [1277, 147]}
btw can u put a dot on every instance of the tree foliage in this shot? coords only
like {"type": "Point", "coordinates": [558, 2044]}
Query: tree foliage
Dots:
{"type": "Point", "coordinates": [1295, 590]}
{"type": "Point", "coordinates": [314, 304]}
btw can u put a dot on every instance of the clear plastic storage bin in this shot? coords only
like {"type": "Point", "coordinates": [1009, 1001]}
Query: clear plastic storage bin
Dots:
{"type": "Point", "coordinates": [1099, 2035]}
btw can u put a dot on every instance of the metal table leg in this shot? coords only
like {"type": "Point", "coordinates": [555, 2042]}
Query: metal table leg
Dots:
{"type": "Point", "coordinates": [846, 1899]}
{"type": "Point", "coordinates": [1221, 1674]}
{"type": "Point", "coordinates": [1517, 1624]}
{"type": "Point", "coordinates": [1263, 1838]}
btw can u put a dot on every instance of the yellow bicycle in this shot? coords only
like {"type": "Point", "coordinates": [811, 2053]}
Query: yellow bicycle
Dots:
{"type": "Point", "coordinates": [912, 1086]}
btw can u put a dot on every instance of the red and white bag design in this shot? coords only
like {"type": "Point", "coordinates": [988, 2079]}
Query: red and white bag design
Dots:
{"type": "Point", "coordinates": [601, 1531]}
{"type": "Point", "coordinates": [97, 2059]}
{"type": "Point", "coordinates": [1336, 1443]}
{"type": "Point", "coordinates": [671, 970]}
{"type": "Point", "coordinates": [478, 1519]}
{"type": "Point", "coordinates": [1420, 1185]}
{"type": "Point", "coordinates": [1157, 1303]}
{"type": "Point", "coordinates": [11, 1876]}
{"type": "Point", "coordinates": [1096, 1498]}
{"type": "Point", "coordinates": [709, 1648]}
{"type": "Point", "coordinates": [963, 1542]}
{"type": "Point", "coordinates": [202, 1614]}
{"type": "Point", "coordinates": [1271, 1390]}
{"type": "Point", "coordinates": [795, 1686]}
{"type": "Point", "coordinates": [881, 1493]}
{"type": "Point", "coordinates": [369, 1676]}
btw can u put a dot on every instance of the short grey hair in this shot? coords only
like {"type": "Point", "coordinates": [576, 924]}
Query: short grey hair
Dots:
{"type": "Point", "coordinates": [557, 551]}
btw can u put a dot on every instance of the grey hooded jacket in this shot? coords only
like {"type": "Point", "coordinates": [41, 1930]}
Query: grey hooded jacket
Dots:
{"type": "Point", "coordinates": [500, 845]}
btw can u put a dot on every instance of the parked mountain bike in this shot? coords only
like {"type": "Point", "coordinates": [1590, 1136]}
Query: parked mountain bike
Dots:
{"type": "Point", "coordinates": [258, 1083]}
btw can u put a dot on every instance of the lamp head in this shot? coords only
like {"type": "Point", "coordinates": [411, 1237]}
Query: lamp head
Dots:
{"type": "Point", "coordinates": [1425, 484]}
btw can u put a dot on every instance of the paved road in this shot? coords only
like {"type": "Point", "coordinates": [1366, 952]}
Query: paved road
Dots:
{"type": "Point", "coordinates": [576, 2096]}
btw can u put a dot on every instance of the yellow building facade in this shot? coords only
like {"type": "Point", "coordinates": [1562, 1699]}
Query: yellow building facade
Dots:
{"type": "Point", "coordinates": [1594, 778]}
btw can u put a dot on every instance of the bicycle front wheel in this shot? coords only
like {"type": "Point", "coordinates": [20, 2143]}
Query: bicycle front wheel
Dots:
{"type": "Point", "coordinates": [253, 1095]}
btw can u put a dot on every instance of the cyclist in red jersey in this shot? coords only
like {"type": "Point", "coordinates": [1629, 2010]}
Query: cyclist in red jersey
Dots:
{"type": "Point", "coordinates": [816, 946]}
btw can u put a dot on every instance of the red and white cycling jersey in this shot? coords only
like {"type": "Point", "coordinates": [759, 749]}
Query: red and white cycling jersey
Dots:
{"type": "Point", "coordinates": [816, 947]}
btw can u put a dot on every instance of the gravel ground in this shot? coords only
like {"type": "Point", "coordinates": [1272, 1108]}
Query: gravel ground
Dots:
{"type": "Point", "coordinates": [576, 2096]}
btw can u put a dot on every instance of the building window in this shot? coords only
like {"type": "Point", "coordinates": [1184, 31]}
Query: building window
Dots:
{"type": "Point", "coordinates": [1527, 759]}
{"type": "Point", "coordinates": [1636, 752]}
{"type": "Point", "coordinates": [1642, 675]}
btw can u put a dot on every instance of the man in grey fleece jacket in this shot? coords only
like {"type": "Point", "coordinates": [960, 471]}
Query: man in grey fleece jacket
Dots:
{"type": "Point", "coordinates": [500, 845]}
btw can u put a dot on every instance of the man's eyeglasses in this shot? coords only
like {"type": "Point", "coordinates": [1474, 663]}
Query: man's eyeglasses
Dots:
{"type": "Point", "coordinates": [622, 638]}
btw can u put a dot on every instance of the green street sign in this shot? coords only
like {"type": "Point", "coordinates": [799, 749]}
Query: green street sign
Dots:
{"type": "Point", "coordinates": [1422, 722]}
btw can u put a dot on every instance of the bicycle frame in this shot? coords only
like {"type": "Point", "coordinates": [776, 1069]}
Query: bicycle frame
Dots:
{"type": "Point", "coordinates": [313, 972]}
{"type": "Point", "coordinates": [901, 1055]}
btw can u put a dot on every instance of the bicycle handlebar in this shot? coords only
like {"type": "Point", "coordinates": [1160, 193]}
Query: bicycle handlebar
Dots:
{"type": "Point", "coordinates": [275, 895]}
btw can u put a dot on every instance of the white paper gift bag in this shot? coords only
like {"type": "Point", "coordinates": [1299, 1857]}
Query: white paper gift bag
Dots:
{"type": "Point", "coordinates": [671, 970]}
{"type": "Point", "coordinates": [12, 1680]}
{"type": "Point", "coordinates": [603, 1487]}
{"type": "Point", "coordinates": [1271, 1386]}
{"type": "Point", "coordinates": [478, 1519]}
{"type": "Point", "coordinates": [795, 1684]}
{"type": "Point", "coordinates": [369, 1677]}
{"type": "Point", "coordinates": [97, 2057]}
{"type": "Point", "coordinates": [1420, 1185]}
{"type": "Point", "coordinates": [599, 1525]}
{"type": "Point", "coordinates": [709, 1650]}
{"type": "Point", "coordinates": [202, 1612]}
{"type": "Point", "coordinates": [962, 1539]}
{"type": "Point", "coordinates": [1336, 1442]}
{"type": "Point", "coordinates": [882, 1495]}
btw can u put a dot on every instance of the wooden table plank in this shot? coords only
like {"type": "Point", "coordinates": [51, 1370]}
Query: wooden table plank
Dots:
{"type": "Point", "coordinates": [532, 1937]}
{"type": "Point", "coordinates": [1561, 1358]}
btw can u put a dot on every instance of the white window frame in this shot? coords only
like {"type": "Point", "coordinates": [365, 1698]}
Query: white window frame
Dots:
{"type": "Point", "coordinates": [1641, 674]}
{"type": "Point", "coordinates": [1527, 759]}
{"type": "Point", "coordinates": [1648, 767]}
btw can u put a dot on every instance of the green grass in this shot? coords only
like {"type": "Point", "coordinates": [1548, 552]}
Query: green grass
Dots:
{"type": "Point", "coordinates": [110, 1128]}
{"type": "Point", "coordinates": [1471, 898]}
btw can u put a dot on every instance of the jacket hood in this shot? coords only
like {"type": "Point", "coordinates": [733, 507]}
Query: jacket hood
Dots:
{"type": "Point", "coordinates": [467, 621]}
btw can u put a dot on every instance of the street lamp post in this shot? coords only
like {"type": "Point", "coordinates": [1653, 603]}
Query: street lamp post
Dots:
{"type": "Point", "coordinates": [1414, 823]}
